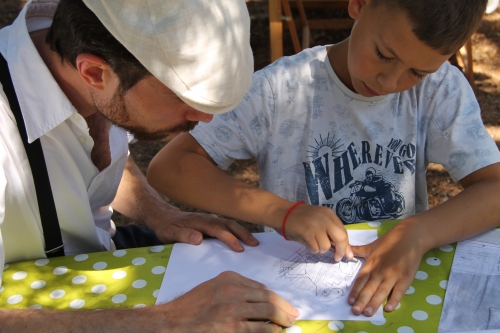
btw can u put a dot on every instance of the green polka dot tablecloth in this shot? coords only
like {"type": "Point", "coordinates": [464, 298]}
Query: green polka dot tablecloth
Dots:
{"type": "Point", "coordinates": [132, 278]}
{"type": "Point", "coordinates": [122, 278]}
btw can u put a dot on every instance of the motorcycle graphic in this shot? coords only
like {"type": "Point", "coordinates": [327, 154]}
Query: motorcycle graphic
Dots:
{"type": "Point", "coordinates": [371, 199]}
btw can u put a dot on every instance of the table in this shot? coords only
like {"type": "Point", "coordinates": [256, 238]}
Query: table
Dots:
{"type": "Point", "coordinates": [132, 278]}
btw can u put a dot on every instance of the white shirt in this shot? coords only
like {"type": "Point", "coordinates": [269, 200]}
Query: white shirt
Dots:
{"type": "Point", "coordinates": [365, 158]}
{"type": "Point", "coordinates": [82, 194]}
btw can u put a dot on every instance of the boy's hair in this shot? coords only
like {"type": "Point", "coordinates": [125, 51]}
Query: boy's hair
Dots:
{"type": "Point", "coordinates": [76, 30]}
{"type": "Point", "coordinates": [443, 25]}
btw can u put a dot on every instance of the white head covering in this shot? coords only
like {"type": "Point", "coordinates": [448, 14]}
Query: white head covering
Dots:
{"type": "Point", "coordinates": [200, 49]}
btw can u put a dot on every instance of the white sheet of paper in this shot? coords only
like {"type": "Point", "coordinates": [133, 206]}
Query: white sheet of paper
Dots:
{"type": "Point", "coordinates": [471, 301]}
{"type": "Point", "coordinates": [314, 284]}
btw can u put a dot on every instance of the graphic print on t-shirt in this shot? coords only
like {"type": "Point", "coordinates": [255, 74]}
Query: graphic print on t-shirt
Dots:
{"type": "Point", "coordinates": [371, 196]}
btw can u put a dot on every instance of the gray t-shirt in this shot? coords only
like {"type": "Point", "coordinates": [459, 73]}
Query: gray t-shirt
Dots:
{"type": "Point", "coordinates": [316, 140]}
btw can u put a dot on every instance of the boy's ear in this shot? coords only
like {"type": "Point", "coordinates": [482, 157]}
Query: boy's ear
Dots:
{"type": "Point", "coordinates": [94, 71]}
{"type": "Point", "coordinates": [355, 7]}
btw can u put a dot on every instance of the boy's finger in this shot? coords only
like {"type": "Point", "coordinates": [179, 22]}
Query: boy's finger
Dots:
{"type": "Point", "coordinates": [338, 253]}
{"type": "Point", "coordinates": [360, 250]}
{"type": "Point", "coordinates": [340, 241]}
{"type": "Point", "coordinates": [324, 243]}
{"type": "Point", "coordinates": [359, 284]}
{"type": "Point", "coordinates": [348, 252]}
{"type": "Point", "coordinates": [397, 293]}
{"type": "Point", "coordinates": [365, 296]}
{"type": "Point", "coordinates": [312, 247]}
{"type": "Point", "coordinates": [378, 298]}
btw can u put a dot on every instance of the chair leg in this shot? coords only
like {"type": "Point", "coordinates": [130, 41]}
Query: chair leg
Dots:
{"type": "Point", "coordinates": [463, 60]}
{"type": "Point", "coordinates": [291, 25]}
{"type": "Point", "coordinates": [469, 68]}
{"type": "Point", "coordinates": [275, 29]}
{"type": "Point", "coordinates": [306, 32]}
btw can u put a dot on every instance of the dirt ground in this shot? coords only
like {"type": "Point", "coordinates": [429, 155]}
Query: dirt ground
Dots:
{"type": "Point", "coordinates": [486, 45]}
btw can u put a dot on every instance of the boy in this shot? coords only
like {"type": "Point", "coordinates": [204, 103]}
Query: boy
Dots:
{"type": "Point", "coordinates": [350, 129]}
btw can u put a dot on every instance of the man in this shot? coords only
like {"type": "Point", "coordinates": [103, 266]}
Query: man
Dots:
{"type": "Point", "coordinates": [152, 68]}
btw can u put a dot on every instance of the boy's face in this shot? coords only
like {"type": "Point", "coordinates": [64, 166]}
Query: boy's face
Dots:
{"type": "Point", "coordinates": [384, 55]}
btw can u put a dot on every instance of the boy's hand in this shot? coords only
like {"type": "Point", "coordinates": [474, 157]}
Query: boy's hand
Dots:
{"type": "Point", "coordinates": [391, 264]}
{"type": "Point", "coordinates": [318, 229]}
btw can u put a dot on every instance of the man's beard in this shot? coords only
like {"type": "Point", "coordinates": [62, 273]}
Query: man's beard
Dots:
{"type": "Point", "coordinates": [116, 112]}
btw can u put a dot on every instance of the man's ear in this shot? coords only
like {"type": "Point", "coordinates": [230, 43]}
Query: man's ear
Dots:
{"type": "Point", "coordinates": [95, 71]}
{"type": "Point", "coordinates": [355, 7]}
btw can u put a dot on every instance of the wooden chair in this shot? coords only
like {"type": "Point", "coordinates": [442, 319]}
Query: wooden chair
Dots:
{"type": "Point", "coordinates": [302, 23]}
{"type": "Point", "coordinates": [306, 33]}
{"type": "Point", "coordinates": [463, 60]}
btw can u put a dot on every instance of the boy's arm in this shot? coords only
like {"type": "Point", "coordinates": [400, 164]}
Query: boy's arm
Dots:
{"type": "Point", "coordinates": [393, 260]}
{"type": "Point", "coordinates": [137, 200]}
{"type": "Point", "coordinates": [183, 171]}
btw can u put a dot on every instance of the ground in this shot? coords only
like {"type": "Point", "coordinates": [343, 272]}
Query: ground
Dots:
{"type": "Point", "coordinates": [486, 45]}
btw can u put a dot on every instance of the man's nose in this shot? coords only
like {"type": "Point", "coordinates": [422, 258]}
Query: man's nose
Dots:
{"type": "Point", "coordinates": [195, 115]}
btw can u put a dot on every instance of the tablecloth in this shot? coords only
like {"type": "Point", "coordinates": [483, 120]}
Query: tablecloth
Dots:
{"type": "Point", "coordinates": [132, 278]}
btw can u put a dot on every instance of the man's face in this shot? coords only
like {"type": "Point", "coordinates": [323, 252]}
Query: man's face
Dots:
{"type": "Point", "coordinates": [149, 110]}
{"type": "Point", "coordinates": [384, 54]}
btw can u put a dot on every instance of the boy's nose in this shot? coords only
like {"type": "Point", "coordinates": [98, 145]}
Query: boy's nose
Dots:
{"type": "Point", "coordinates": [389, 81]}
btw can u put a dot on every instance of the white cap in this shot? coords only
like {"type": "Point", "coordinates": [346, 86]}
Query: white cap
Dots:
{"type": "Point", "coordinates": [200, 49]}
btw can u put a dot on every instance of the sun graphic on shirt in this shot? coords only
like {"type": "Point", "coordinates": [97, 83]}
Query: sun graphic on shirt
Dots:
{"type": "Point", "coordinates": [328, 145]}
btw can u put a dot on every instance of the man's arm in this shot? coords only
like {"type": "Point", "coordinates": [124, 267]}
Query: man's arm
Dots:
{"type": "Point", "coordinates": [194, 179]}
{"type": "Point", "coordinates": [392, 260]}
{"type": "Point", "coordinates": [139, 201]}
{"type": "Point", "coordinates": [227, 303]}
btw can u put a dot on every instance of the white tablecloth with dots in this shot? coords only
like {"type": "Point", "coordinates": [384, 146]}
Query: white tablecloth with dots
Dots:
{"type": "Point", "coordinates": [132, 278]}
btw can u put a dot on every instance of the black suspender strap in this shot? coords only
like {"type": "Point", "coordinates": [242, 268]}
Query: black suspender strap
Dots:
{"type": "Point", "coordinates": [52, 233]}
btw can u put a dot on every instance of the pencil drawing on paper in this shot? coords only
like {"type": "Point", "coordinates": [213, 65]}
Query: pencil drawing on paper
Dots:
{"type": "Point", "coordinates": [317, 274]}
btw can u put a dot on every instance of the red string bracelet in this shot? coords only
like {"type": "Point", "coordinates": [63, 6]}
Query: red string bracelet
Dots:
{"type": "Point", "coordinates": [286, 216]}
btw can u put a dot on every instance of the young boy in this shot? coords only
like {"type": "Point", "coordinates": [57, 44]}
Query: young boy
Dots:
{"type": "Point", "coordinates": [350, 129]}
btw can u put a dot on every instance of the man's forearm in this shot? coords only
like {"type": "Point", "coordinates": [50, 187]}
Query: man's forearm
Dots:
{"type": "Point", "coordinates": [30, 320]}
{"type": "Point", "coordinates": [135, 198]}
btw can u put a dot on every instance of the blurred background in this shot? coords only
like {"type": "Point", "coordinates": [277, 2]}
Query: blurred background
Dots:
{"type": "Point", "coordinates": [486, 79]}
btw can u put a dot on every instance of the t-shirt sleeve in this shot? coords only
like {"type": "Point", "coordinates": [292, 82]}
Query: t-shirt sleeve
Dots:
{"type": "Point", "coordinates": [243, 132]}
{"type": "Point", "coordinates": [456, 136]}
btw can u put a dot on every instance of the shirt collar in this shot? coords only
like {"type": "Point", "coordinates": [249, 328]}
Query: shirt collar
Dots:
{"type": "Point", "coordinates": [43, 103]}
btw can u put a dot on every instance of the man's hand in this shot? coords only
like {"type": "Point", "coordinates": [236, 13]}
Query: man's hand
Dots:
{"type": "Point", "coordinates": [177, 226]}
{"type": "Point", "coordinates": [226, 304]}
{"type": "Point", "coordinates": [391, 264]}
{"type": "Point", "coordinates": [139, 201]}
{"type": "Point", "coordinates": [318, 229]}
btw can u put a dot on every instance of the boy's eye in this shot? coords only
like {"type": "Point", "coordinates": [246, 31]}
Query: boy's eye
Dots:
{"type": "Point", "coordinates": [381, 56]}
